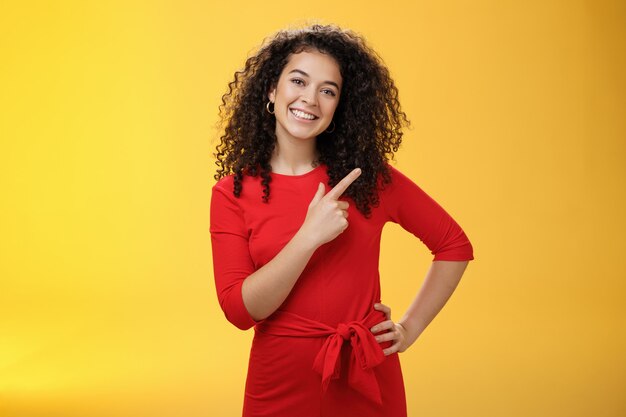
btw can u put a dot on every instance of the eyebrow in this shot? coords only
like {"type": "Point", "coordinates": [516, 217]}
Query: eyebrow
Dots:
{"type": "Point", "coordinates": [307, 75]}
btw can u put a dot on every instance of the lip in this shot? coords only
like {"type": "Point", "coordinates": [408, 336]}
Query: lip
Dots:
{"type": "Point", "coordinates": [304, 111]}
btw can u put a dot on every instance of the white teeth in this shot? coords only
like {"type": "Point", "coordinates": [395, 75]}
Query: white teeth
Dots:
{"type": "Point", "coordinates": [302, 114]}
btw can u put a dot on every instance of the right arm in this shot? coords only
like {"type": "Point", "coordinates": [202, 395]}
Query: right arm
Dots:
{"type": "Point", "coordinates": [249, 296]}
{"type": "Point", "coordinates": [266, 289]}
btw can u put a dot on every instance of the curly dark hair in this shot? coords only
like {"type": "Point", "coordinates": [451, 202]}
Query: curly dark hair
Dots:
{"type": "Point", "coordinates": [368, 118]}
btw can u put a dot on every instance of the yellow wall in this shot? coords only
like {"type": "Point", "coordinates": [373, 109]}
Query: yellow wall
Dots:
{"type": "Point", "coordinates": [107, 302]}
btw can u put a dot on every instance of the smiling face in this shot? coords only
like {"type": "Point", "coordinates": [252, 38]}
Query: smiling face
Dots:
{"type": "Point", "coordinates": [306, 95]}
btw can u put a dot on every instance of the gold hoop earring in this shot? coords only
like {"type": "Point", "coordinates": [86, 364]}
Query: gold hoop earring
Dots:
{"type": "Point", "coordinates": [267, 107]}
{"type": "Point", "coordinates": [331, 131]}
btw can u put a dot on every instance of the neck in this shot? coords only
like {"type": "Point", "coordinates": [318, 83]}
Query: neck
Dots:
{"type": "Point", "coordinates": [293, 157]}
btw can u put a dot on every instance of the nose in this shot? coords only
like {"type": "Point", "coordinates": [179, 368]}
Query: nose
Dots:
{"type": "Point", "coordinates": [309, 96]}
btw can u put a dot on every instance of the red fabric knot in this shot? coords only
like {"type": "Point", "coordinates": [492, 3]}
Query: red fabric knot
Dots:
{"type": "Point", "coordinates": [365, 355]}
{"type": "Point", "coordinates": [344, 331]}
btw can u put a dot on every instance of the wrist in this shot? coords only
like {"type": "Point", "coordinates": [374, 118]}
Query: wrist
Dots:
{"type": "Point", "coordinates": [413, 329]}
{"type": "Point", "coordinates": [305, 240]}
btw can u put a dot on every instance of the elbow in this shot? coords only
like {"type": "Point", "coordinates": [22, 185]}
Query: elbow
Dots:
{"type": "Point", "coordinates": [463, 251]}
{"type": "Point", "coordinates": [240, 319]}
{"type": "Point", "coordinates": [238, 322]}
{"type": "Point", "coordinates": [455, 247]}
{"type": "Point", "coordinates": [238, 316]}
{"type": "Point", "coordinates": [235, 310]}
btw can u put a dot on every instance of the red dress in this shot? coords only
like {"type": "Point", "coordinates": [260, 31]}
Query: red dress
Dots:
{"type": "Point", "coordinates": [315, 356]}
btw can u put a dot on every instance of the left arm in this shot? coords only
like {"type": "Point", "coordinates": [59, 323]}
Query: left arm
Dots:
{"type": "Point", "coordinates": [408, 205]}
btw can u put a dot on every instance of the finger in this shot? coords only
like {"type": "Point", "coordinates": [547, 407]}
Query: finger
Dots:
{"type": "Point", "coordinates": [338, 189]}
{"type": "Point", "coordinates": [343, 204]}
{"type": "Point", "coordinates": [384, 308]}
{"type": "Point", "coordinates": [387, 336]}
{"type": "Point", "coordinates": [392, 349]}
{"type": "Point", "coordinates": [318, 194]}
{"type": "Point", "coordinates": [382, 326]}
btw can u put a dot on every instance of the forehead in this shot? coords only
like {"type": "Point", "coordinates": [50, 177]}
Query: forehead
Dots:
{"type": "Point", "coordinates": [316, 64]}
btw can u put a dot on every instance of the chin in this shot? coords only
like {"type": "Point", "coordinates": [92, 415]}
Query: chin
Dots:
{"type": "Point", "coordinates": [303, 136]}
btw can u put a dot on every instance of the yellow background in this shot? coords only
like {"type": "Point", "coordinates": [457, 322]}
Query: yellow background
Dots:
{"type": "Point", "coordinates": [107, 301]}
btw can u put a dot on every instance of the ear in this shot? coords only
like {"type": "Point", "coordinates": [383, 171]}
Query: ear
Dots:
{"type": "Point", "coordinates": [272, 94]}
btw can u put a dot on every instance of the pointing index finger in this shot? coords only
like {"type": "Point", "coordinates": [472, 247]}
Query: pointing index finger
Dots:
{"type": "Point", "coordinates": [339, 189]}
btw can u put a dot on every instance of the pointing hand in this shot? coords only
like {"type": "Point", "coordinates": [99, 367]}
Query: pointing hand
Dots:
{"type": "Point", "coordinates": [327, 216]}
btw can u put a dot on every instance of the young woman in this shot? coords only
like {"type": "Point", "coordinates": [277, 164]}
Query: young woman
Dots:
{"type": "Point", "coordinates": [303, 191]}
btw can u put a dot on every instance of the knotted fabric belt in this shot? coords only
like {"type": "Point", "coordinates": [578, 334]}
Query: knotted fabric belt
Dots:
{"type": "Point", "coordinates": [366, 351]}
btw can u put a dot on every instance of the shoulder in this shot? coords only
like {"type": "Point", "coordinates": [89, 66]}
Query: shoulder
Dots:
{"type": "Point", "coordinates": [250, 186]}
{"type": "Point", "coordinates": [225, 183]}
{"type": "Point", "coordinates": [222, 191]}
{"type": "Point", "coordinates": [395, 172]}
{"type": "Point", "coordinates": [396, 177]}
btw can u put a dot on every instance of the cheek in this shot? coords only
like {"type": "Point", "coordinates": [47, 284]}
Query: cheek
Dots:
{"type": "Point", "coordinates": [285, 98]}
{"type": "Point", "coordinates": [330, 108]}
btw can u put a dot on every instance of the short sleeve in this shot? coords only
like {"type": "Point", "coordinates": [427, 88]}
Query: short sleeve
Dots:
{"type": "Point", "coordinates": [409, 206]}
{"type": "Point", "coordinates": [232, 263]}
